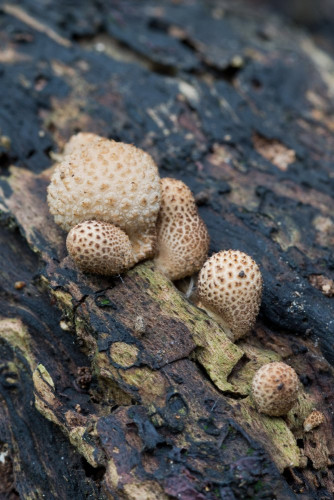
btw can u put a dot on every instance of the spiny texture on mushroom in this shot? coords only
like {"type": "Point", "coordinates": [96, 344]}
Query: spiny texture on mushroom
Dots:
{"type": "Point", "coordinates": [313, 420]}
{"type": "Point", "coordinates": [182, 237]}
{"type": "Point", "coordinates": [230, 289]}
{"type": "Point", "coordinates": [275, 388]}
{"type": "Point", "coordinates": [112, 182]}
{"type": "Point", "coordinates": [79, 141]}
{"type": "Point", "coordinates": [100, 248]}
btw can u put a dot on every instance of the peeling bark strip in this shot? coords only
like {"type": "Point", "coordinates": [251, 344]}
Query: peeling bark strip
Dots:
{"type": "Point", "coordinates": [120, 387]}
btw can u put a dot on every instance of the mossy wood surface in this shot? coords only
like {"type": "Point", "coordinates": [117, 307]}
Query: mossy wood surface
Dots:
{"type": "Point", "coordinates": [120, 387]}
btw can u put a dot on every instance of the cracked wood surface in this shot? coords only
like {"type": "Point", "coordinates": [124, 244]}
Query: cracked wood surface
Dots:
{"type": "Point", "coordinates": [138, 394]}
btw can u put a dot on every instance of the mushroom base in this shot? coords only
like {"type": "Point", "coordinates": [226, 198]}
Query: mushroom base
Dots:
{"type": "Point", "coordinates": [143, 244]}
{"type": "Point", "coordinates": [219, 320]}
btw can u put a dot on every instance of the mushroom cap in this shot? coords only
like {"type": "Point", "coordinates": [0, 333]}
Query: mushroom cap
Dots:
{"type": "Point", "coordinates": [275, 388]}
{"type": "Point", "coordinates": [182, 237]}
{"type": "Point", "coordinates": [107, 181]}
{"type": "Point", "coordinates": [100, 248]}
{"type": "Point", "coordinates": [78, 141]}
{"type": "Point", "coordinates": [230, 289]}
{"type": "Point", "coordinates": [313, 420]}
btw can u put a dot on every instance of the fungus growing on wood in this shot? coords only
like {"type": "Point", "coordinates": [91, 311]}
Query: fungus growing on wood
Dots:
{"type": "Point", "coordinates": [111, 182]}
{"type": "Point", "coordinates": [182, 237]}
{"type": "Point", "coordinates": [314, 419]}
{"type": "Point", "coordinates": [275, 388]}
{"type": "Point", "coordinates": [79, 141]}
{"type": "Point", "coordinates": [100, 248]}
{"type": "Point", "coordinates": [230, 289]}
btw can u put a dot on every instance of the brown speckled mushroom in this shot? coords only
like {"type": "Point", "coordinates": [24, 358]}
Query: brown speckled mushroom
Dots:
{"type": "Point", "coordinates": [230, 289]}
{"type": "Point", "coordinates": [314, 419]}
{"type": "Point", "coordinates": [275, 388]}
{"type": "Point", "coordinates": [182, 237]}
{"type": "Point", "coordinates": [111, 182]}
{"type": "Point", "coordinates": [100, 248]}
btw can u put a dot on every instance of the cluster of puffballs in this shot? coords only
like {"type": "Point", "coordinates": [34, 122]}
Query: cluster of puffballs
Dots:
{"type": "Point", "coordinates": [109, 198]}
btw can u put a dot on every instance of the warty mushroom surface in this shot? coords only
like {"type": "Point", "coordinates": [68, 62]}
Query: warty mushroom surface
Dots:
{"type": "Point", "coordinates": [111, 182]}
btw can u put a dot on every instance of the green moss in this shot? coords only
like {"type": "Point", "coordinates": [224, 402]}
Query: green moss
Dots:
{"type": "Point", "coordinates": [123, 354]}
{"type": "Point", "coordinates": [64, 300]}
{"type": "Point", "coordinates": [274, 430]}
{"type": "Point", "coordinates": [299, 412]}
{"type": "Point", "coordinates": [182, 411]}
{"type": "Point", "coordinates": [45, 375]}
{"type": "Point", "coordinates": [77, 438]}
{"type": "Point", "coordinates": [103, 301]}
{"type": "Point", "coordinates": [256, 357]}
{"type": "Point", "coordinates": [216, 353]}
{"type": "Point", "coordinates": [108, 380]}
{"type": "Point", "coordinates": [151, 384]}
{"type": "Point", "coordinates": [17, 335]}
{"type": "Point", "coordinates": [258, 486]}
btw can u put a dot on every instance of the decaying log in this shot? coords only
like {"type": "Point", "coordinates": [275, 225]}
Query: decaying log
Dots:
{"type": "Point", "coordinates": [121, 387]}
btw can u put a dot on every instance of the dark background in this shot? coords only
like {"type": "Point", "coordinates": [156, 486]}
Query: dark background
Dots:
{"type": "Point", "coordinates": [316, 16]}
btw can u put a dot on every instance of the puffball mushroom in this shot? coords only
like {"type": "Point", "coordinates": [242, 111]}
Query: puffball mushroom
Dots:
{"type": "Point", "coordinates": [229, 288]}
{"type": "Point", "coordinates": [182, 237]}
{"type": "Point", "coordinates": [314, 419]}
{"type": "Point", "coordinates": [275, 388]}
{"type": "Point", "coordinates": [111, 182]}
{"type": "Point", "coordinates": [78, 141]}
{"type": "Point", "coordinates": [100, 248]}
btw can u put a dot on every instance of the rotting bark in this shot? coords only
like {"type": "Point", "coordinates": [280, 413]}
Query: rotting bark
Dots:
{"type": "Point", "coordinates": [120, 387]}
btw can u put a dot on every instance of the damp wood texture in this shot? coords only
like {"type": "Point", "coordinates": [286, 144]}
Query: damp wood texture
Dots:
{"type": "Point", "coordinates": [121, 388]}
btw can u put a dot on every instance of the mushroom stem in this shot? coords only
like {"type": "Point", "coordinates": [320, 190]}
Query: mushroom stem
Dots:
{"type": "Point", "coordinates": [143, 244]}
{"type": "Point", "coordinates": [190, 289]}
{"type": "Point", "coordinates": [219, 319]}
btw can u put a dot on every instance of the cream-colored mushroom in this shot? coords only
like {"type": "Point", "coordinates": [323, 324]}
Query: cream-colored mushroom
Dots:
{"type": "Point", "coordinates": [109, 182]}
{"type": "Point", "coordinates": [79, 141]}
{"type": "Point", "coordinates": [182, 237]}
{"type": "Point", "coordinates": [230, 289]}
